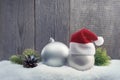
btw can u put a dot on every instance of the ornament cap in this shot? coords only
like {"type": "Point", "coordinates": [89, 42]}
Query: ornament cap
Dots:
{"type": "Point", "coordinates": [51, 40]}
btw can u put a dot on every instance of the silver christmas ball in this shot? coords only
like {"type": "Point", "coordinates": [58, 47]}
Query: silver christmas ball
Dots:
{"type": "Point", "coordinates": [55, 53]}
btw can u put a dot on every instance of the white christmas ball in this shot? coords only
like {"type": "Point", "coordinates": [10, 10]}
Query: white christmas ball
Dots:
{"type": "Point", "coordinates": [81, 56]}
{"type": "Point", "coordinates": [81, 63]}
{"type": "Point", "coordinates": [55, 54]}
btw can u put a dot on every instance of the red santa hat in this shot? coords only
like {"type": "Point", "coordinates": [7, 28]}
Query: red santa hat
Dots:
{"type": "Point", "coordinates": [85, 36]}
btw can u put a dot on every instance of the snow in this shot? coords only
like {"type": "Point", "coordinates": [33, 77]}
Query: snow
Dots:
{"type": "Point", "coordinates": [11, 71]}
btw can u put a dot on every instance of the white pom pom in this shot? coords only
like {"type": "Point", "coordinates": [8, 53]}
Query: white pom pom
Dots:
{"type": "Point", "coordinates": [100, 41]}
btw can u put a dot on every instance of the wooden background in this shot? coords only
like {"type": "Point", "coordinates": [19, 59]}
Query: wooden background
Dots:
{"type": "Point", "coordinates": [30, 23]}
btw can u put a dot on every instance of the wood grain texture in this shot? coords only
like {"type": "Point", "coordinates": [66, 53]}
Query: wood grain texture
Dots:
{"type": "Point", "coordinates": [102, 17]}
{"type": "Point", "coordinates": [62, 21]}
{"type": "Point", "coordinates": [16, 26]}
{"type": "Point", "coordinates": [52, 20]}
{"type": "Point", "coordinates": [45, 19]}
{"type": "Point", "coordinates": [25, 23]}
{"type": "Point", "coordinates": [30, 23]}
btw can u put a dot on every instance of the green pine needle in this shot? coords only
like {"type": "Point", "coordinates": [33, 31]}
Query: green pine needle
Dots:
{"type": "Point", "coordinates": [101, 57]}
{"type": "Point", "coordinates": [16, 59]}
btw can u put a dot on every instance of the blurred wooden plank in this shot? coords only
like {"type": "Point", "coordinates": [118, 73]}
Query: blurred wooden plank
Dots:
{"type": "Point", "coordinates": [16, 26]}
{"type": "Point", "coordinates": [102, 17]}
{"type": "Point", "coordinates": [25, 23]}
{"type": "Point", "coordinates": [62, 21]}
{"type": "Point", "coordinates": [45, 22]}
{"type": "Point", "coordinates": [52, 20]}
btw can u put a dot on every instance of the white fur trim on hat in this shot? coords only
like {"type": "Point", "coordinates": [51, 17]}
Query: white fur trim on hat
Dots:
{"type": "Point", "coordinates": [100, 41]}
{"type": "Point", "coordinates": [82, 49]}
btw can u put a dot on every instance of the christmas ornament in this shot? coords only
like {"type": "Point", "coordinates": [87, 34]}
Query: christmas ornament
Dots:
{"type": "Point", "coordinates": [82, 49]}
{"type": "Point", "coordinates": [55, 53]}
{"type": "Point", "coordinates": [30, 61]}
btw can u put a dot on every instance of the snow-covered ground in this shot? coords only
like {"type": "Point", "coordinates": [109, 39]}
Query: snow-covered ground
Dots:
{"type": "Point", "coordinates": [10, 71]}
